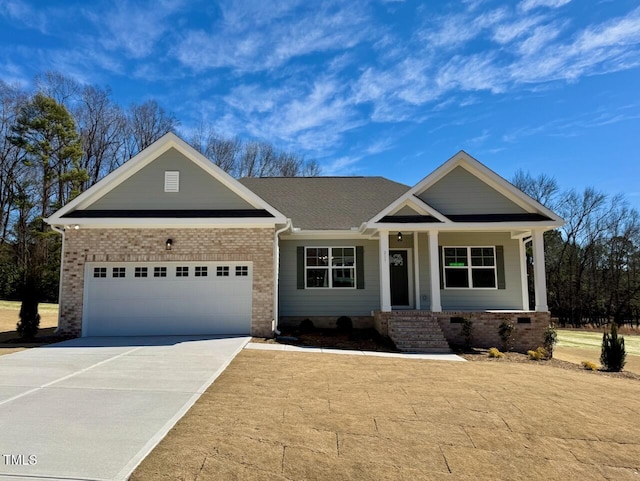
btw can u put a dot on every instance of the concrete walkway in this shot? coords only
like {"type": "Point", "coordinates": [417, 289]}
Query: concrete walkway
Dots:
{"type": "Point", "coordinates": [93, 408]}
{"type": "Point", "coordinates": [401, 355]}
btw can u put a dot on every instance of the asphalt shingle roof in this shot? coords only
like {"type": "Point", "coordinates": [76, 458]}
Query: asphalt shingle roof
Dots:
{"type": "Point", "coordinates": [326, 202]}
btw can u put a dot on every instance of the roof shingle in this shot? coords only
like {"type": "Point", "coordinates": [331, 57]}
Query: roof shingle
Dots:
{"type": "Point", "coordinates": [324, 203]}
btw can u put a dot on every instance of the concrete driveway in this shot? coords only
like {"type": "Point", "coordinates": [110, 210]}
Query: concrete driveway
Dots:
{"type": "Point", "coordinates": [93, 408]}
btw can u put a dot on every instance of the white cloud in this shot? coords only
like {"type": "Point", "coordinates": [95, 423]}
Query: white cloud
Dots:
{"type": "Point", "coordinates": [341, 166]}
{"type": "Point", "coordinates": [527, 5]}
{"type": "Point", "coordinates": [20, 11]}
{"type": "Point", "coordinates": [241, 42]}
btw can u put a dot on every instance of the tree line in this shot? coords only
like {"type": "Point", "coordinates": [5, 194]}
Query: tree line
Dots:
{"type": "Point", "coordinates": [60, 137]}
{"type": "Point", "coordinates": [593, 261]}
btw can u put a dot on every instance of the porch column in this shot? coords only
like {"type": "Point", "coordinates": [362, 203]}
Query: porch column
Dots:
{"type": "Point", "coordinates": [523, 274]}
{"type": "Point", "coordinates": [416, 271]}
{"type": "Point", "coordinates": [385, 281]}
{"type": "Point", "coordinates": [434, 270]}
{"type": "Point", "coordinates": [539, 271]}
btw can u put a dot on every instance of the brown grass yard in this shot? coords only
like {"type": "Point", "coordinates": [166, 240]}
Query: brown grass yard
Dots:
{"type": "Point", "coordinates": [9, 311]}
{"type": "Point", "coordinates": [307, 416]}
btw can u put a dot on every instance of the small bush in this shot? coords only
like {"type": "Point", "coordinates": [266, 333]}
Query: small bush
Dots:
{"type": "Point", "coordinates": [613, 354]}
{"type": "Point", "coordinates": [467, 333]}
{"type": "Point", "coordinates": [29, 321]}
{"type": "Point", "coordinates": [550, 339]}
{"type": "Point", "coordinates": [494, 352]}
{"type": "Point", "coordinates": [344, 324]}
{"type": "Point", "coordinates": [538, 354]}
{"type": "Point", "coordinates": [589, 366]}
{"type": "Point", "coordinates": [306, 326]}
{"type": "Point", "coordinates": [505, 331]}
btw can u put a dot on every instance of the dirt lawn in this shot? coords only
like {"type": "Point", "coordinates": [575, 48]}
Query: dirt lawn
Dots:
{"type": "Point", "coordinates": [307, 416]}
{"type": "Point", "coordinates": [9, 311]}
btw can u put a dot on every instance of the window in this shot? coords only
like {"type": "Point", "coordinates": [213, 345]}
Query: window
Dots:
{"type": "Point", "coordinates": [469, 267]}
{"type": "Point", "coordinates": [171, 181]}
{"type": "Point", "coordinates": [140, 272]}
{"type": "Point", "coordinates": [99, 272]}
{"type": "Point", "coordinates": [159, 272]}
{"type": "Point", "coordinates": [182, 271]}
{"type": "Point", "coordinates": [118, 272]}
{"type": "Point", "coordinates": [242, 271]}
{"type": "Point", "coordinates": [201, 271]}
{"type": "Point", "coordinates": [330, 267]}
{"type": "Point", "coordinates": [222, 271]}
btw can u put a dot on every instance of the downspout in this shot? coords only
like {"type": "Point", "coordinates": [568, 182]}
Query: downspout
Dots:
{"type": "Point", "coordinates": [60, 231]}
{"type": "Point", "coordinates": [276, 275]}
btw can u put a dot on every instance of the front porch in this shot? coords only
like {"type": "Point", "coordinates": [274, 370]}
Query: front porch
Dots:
{"type": "Point", "coordinates": [424, 331]}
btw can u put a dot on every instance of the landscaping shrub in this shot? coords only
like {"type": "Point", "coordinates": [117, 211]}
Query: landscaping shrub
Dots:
{"type": "Point", "coordinates": [344, 324]}
{"type": "Point", "coordinates": [550, 339]}
{"type": "Point", "coordinates": [613, 354]}
{"type": "Point", "coordinates": [589, 366]}
{"type": "Point", "coordinates": [505, 331]}
{"type": "Point", "coordinates": [494, 352]}
{"type": "Point", "coordinates": [29, 321]}
{"type": "Point", "coordinates": [467, 333]}
{"type": "Point", "coordinates": [538, 354]}
{"type": "Point", "coordinates": [306, 326]}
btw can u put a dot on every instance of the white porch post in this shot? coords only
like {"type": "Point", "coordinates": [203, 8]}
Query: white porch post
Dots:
{"type": "Point", "coordinates": [434, 269]}
{"type": "Point", "coordinates": [523, 275]}
{"type": "Point", "coordinates": [416, 270]}
{"type": "Point", "coordinates": [385, 281]}
{"type": "Point", "coordinates": [539, 271]}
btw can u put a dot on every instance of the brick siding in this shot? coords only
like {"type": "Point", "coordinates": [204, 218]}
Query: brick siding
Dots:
{"type": "Point", "coordinates": [148, 245]}
{"type": "Point", "coordinates": [485, 326]}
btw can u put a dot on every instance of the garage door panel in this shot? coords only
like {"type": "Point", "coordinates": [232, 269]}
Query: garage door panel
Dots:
{"type": "Point", "coordinates": [129, 305]}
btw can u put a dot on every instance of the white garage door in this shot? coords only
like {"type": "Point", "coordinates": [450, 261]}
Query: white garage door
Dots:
{"type": "Point", "coordinates": [167, 298]}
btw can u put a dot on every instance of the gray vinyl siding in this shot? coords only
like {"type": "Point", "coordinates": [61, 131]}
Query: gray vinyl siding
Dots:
{"type": "Point", "coordinates": [145, 189]}
{"type": "Point", "coordinates": [328, 302]}
{"type": "Point", "coordinates": [485, 299]}
{"type": "Point", "coordinates": [406, 210]}
{"type": "Point", "coordinates": [460, 192]}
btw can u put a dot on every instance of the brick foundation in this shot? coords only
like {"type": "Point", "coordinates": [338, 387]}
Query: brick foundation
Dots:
{"type": "Point", "coordinates": [485, 326]}
{"type": "Point", "coordinates": [326, 322]}
{"type": "Point", "coordinates": [148, 245]}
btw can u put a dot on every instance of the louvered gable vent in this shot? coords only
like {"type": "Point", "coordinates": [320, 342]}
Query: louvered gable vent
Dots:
{"type": "Point", "coordinates": [172, 181]}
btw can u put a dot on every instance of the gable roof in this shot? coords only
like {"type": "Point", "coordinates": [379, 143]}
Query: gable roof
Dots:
{"type": "Point", "coordinates": [77, 208]}
{"type": "Point", "coordinates": [326, 203]}
{"type": "Point", "coordinates": [530, 211]}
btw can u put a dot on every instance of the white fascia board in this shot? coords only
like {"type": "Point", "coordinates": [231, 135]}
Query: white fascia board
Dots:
{"type": "Point", "coordinates": [145, 157]}
{"type": "Point", "coordinates": [488, 176]}
{"type": "Point", "coordinates": [323, 234]}
{"type": "Point", "coordinates": [412, 201]}
{"type": "Point", "coordinates": [474, 226]}
{"type": "Point", "coordinates": [166, 222]}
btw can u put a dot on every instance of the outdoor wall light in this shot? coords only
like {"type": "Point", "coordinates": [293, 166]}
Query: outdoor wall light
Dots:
{"type": "Point", "coordinates": [76, 227]}
{"type": "Point", "coordinates": [169, 244]}
{"type": "Point", "coordinates": [399, 236]}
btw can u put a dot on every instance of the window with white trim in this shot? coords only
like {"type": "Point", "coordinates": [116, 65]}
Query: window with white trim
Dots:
{"type": "Point", "coordinates": [242, 271]}
{"type": "Point", "coordinates": [99, 272]}
{"type": "Point", "coordinates": [140, 272]}
{"type": "Point", "coordinates": [469, 267]}
{"type": "Point", "coordinates": [118, 272]}
{"type": "Point", "coordinates": [222, 271]}
{"type": "Point", "coordinates": [182, 271]}
{"type": "Point", "coordinates": [159, 272]}
{"type": "Point", "coordinates": [330, 267]}
{"type": "Point", "coordinates": [202, 271]}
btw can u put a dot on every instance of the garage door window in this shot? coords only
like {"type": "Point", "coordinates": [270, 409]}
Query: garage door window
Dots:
{"type": "Point", "coordinates": [222, 271]}
{"type": "Point", "coordinates": [202, 271]}
{"type": "Point", "coordinates": [242, 271]}
{"type": "Point", "coordinates": [182, 271]}
{"type": "Point", "coordinates": [118, 272]}
{"type": "Point", "coordinates": [140, 272]}
{"type": "Point", "coordinates": [159, 272]}
{"type": "Point", "coordinates": [99, 272]}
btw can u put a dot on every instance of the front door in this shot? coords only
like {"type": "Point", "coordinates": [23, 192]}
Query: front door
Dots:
{"type": "Point", "coordinates": [399, 274]}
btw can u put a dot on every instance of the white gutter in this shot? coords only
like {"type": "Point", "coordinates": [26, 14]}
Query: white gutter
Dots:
{"type": "Point", "coordinates": [60, 231]}
{"type": "Point", "coordinates": [276, 274]}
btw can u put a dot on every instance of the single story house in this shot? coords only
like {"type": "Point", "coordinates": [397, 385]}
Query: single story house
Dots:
{"type": "Point", "coordinates": [169, 244]}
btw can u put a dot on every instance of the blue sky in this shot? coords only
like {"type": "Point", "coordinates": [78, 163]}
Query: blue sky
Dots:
{"type": "Point", "coordinates": [376, 87]}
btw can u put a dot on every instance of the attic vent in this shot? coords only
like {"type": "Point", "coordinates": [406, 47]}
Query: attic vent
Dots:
{"type": "Point", "coordinates": [171, 181]}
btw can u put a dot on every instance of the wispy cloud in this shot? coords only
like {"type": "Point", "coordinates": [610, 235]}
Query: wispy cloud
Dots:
{"type": "Point", "coordinates": [23, 13]}
{"type": "Point", "coordinates": [341, 166]}
{"type": "Point", "coordinates": [527, 5]}
{"type": "Point", "coordinates": [244, 41]}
